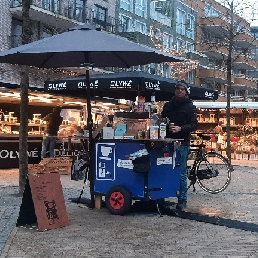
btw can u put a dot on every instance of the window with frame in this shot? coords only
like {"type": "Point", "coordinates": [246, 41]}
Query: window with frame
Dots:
{"type": "Point", "coordinates": [100, 13]}
{"type": "Point", "coordinates": [210, 11]}
{"type": "Point", "coordinates": [166, 70]}
{"type": "Point", "coordinates": [141, 7]}
{"type": "Point", "coordinates": [190, 23]}
{"type": "Point", "coordinates": [190, 77]}
{"type": "Point", "coordinates": [140, 26]}
{"type": "Point", "coordinates": [189, 46]}
{"type": "Point", "coordinates": [179, 45]}
{"type": "Point", "coordinates": [180, 21]}
{"type": "Point", "coordinates": [125, 23]}
{"type": "Point", "coordinates": [167, 41]}
{"type": "Point", "coordinates": [126, 4]}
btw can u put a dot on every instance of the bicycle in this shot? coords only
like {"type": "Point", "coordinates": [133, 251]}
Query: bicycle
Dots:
{"type": "Point", "coordinates": [210, 170]}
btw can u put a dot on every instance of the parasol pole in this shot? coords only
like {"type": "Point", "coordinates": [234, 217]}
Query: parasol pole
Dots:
{"type": "Point", "coordinates": [89, 126]}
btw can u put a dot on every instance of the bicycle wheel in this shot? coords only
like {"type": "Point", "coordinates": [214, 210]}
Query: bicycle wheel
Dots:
{"type": "Point", "coordinates": [213, 173]}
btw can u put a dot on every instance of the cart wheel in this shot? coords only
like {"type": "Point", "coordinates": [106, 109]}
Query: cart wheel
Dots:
{"type": "Point", "coordinates": [118, 200]}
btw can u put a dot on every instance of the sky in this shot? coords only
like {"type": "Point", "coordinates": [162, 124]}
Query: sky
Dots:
{"type": "Point", "coordinates": [251, 9]}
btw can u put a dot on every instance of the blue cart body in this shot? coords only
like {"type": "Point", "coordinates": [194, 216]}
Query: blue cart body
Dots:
{"type": "Point", "coordinates": [112, 168]}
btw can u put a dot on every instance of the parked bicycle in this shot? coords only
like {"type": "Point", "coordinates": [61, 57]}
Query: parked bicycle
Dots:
{"type": "Point", "coordinates": [210, 170]}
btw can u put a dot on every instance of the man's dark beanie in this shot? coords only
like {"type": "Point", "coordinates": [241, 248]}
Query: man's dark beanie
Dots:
{"type": "Point", "coordinates": [184, 84]}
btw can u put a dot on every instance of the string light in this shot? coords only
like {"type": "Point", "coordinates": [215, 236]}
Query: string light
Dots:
{"type": "Point", "coordinates": [178, 69]}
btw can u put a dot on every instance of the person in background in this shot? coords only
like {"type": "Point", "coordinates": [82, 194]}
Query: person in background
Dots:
{"type": "Point", "coordinates": [53, 121]}
{"type": "Point", "coordinates": [218, 136]}
{"type": "Point", "coordinates": [182, 121]}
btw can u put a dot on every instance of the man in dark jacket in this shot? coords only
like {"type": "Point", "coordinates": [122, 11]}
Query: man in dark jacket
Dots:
{"type": "Point", "coordinates": [182, 121]}
{"type": "Point", "coordinates": [54, 120]}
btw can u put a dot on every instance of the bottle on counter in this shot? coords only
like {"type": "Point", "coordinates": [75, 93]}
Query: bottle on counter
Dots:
{"type": "Point", "coordinates": [162, 131]}
{"type": "Point", "coordinates": [154, 126]}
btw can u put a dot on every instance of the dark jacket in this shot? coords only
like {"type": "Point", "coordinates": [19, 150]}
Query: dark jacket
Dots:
{"type": "Point", "coordinates": [182, 113]}
{"type": "Point", "coordinates": [54, 120]}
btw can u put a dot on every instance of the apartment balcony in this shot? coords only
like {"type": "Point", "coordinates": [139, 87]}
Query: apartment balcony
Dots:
{"type": "Point", "coordinates": [213, 51]}
{"type": "Point", "coordinates": [51, 14]}
{"type": "Point", "coordinates": [65, 14]}
{"type": "Point", "coordinates": [241, 80]}
{"type": "Point", "coordinates": [217, 26]}
{"type": "Point", "coordinates": [245, 40]}
{"type": "Point", "coordinates": [244, 62]}
{"type": "Point", "coordinates": [213, 74]}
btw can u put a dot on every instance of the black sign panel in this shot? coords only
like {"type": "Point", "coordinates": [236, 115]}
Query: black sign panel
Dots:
{"type": "Point", "coordinates": [9, 153]}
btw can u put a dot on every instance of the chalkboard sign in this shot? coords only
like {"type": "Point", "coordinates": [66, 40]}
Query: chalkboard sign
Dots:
{"type": "Point", "coordinates": [47, 199]}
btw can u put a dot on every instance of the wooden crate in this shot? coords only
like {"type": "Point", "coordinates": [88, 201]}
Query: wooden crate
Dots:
{"type": "Point", "coordinates": [37, 169]}
{"type": "Point", "coordinates": [61, 165]}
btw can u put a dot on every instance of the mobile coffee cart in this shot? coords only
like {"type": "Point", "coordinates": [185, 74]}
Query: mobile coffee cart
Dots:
{"type": "Point", "coordinates": [112, 173]}
{"type": "Point", "coordinates": [148, 177]}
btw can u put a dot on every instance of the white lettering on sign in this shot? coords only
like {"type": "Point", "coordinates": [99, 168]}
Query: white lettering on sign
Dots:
{"type": "Point", "coordinates": [125, 163]}
{"type": "Point", "coordinates": [93, 84]}
{"type": "Point", "coordinates": [121, 84]}
{"type": "Point", "coordinates": [209, 95]}
{"type": "Point", "coordinates": [5, 154]}
{"type": "Point", "coordinates": [164, 161]}
{"type": "Point", "coordinates": [153, 86]}
{"type": "Point", "coordinates": [57, 86]}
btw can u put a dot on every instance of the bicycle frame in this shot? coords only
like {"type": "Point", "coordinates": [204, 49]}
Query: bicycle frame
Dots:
{"type": "Point", "coordinates": [210, 171]}
{"type": "Point", "coordinates": [199, 156]}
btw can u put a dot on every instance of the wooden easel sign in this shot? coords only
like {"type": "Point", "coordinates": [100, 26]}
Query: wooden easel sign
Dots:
{"type": "Point", "coordinates": [43, 194]}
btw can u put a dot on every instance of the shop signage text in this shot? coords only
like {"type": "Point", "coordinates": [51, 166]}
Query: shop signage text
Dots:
{"type": "Point", "coordinates": [209, 95]}
{"type": "Point", "coordinates": [94, 84]}
{"type": "Point", "coordinates": [153, 86]}
{"type": "Point", "coordinates": [57, 86]}
{"type": "Point", "coordinates": [121, 84]}
{"type": "Point", "coordinates": [5, 154]}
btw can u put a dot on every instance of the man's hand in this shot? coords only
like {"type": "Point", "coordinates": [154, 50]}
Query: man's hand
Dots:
{"type": "Point", "coordinates": [174, 128]}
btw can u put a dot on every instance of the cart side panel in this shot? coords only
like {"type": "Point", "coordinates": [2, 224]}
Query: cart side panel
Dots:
{"type": "Point", "coordinates": [112, 167]}
{"type": "Point", "coordinates": [164, 179]}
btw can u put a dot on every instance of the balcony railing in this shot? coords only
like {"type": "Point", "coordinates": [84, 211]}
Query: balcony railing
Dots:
{"type": "Point", "coordinates": [78, 13]}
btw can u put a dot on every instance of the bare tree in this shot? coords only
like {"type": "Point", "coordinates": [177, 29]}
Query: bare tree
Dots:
{"type": "Point", "coordinates": [233, 16]}
{"type": "Point", "coordinates": [236, 11]}
{"type": "Point", "coordinates": [23, 131]}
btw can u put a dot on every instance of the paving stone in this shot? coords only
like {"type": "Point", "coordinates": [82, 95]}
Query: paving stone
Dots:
{"type": "Point", "coordinates": [97, 233]}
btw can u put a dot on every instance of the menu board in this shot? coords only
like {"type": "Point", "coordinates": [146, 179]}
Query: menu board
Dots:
{"type": "Point", "coordinates": [48, 200]}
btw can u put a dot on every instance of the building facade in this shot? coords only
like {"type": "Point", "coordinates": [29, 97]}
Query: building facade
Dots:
{"type": "Point", "coordinates": [223, 36]}
{"type": "Point", "coordinates": [198, 30]}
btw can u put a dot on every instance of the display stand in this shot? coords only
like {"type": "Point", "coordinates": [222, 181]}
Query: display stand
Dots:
{"type": "Point", "coordinates": [43, 202]}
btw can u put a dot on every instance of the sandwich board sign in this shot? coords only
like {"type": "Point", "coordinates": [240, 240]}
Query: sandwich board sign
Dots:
{"type": "Point", "coordinates": [43, 202]}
